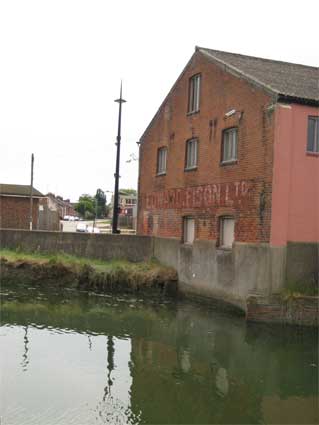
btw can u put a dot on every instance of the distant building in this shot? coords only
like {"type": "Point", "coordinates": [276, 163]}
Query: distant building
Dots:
{"type": "Point", "coordinates": [128, 209]}
{"type": "Point", "coordinates": [49, 218]}
{"type": "Point", "coordinates": [63, 206]}
{"type": "Point", "coordinates": [15, 206]}
{"type": "Point", "coordinates": [127, 203]}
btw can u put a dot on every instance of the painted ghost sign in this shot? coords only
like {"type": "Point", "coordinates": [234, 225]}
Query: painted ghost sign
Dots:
{"type": "Point", "coordinates": [204, 196]}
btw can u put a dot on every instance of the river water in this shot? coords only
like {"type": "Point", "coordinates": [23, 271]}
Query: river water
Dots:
{"type": "Point", "coordinates": [77, 358]}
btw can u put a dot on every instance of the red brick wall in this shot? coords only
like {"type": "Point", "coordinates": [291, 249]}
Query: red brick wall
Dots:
{"type": "Point", "coordinates": [242, 189]}
{"type": "Point", "coordinates": [15, 212]}
{"type": "Point", "coordinates": [301, 310]}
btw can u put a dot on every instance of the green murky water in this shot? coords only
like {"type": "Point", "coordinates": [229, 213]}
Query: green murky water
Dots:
{"type": "Point", "coordinates": [75, 358]}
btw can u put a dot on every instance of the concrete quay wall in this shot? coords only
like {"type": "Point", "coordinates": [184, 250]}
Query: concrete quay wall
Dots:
{"type": "Point", "coordinates": [203, 269]}
{"type": "Point", "coordinates": [90, 245]}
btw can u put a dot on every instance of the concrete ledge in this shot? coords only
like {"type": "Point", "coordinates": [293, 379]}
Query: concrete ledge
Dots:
{"type": "Point", "coordinates": [213, 294]}
{"type": "Point", "coordinates": [167, 250]}
{"type": "Point", "coordinates": [207, 271]}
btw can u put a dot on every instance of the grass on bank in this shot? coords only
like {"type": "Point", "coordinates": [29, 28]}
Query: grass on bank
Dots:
{"type": "Point", "coordinates": [71, 260]}
{"type": "Point", "coordinates": [295, 289]}
{"type": "Point", "coordinates": [86, 272]}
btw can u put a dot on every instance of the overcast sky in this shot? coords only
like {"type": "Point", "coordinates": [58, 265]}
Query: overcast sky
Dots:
{"type": "Point", "coordinates": [61, 63]}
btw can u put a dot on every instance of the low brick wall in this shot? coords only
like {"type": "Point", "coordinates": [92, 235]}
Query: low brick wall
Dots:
{"type": "Point", "coordinates": [301, 310]}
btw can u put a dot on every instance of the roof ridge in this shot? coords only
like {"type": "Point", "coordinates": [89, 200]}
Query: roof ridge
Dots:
{"type": "Point", "coordinates": [244, 74]}
{"type": "Point", "coordinates": [256, 57]}
{"type": "Point", "coordinates": [18, 189]}
{"type": "Point", "coordinates": [267, 75]}
{"type": "Point", "coordinates": [15, 185]}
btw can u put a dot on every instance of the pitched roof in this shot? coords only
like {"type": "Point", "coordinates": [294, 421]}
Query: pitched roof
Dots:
{"type": "Point", "coordinates": [18, 190]}
{"type": "Point", "coordinates": [287, 80]}
{"type": "Point", "coordinates": [284, 80]}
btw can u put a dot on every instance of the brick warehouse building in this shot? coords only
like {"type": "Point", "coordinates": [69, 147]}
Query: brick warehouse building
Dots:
{"type": "Point", "coordinates": [232, 157]}
{"type": "Point", "coordinates": [15, 206]}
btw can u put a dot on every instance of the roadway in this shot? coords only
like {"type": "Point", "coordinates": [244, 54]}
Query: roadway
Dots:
{"type": "Point", "coordinates": [103, 225]}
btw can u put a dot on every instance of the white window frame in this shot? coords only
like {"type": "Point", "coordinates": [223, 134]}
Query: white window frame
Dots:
{"type": "Point", "coordinates": [230, 145]}
{"type": "Point", "coordinates": [222, 222]}
{"type": "Point", "coordinates": [191, 154]}
{"type": "Point", "coordinates": [188, 233]}
{"type": "Point", "coordinates": [313, 139]}
{"type": "Point", "coordinates": [161, 160]}
{"type": "Point", "coordinates": [194, 93]}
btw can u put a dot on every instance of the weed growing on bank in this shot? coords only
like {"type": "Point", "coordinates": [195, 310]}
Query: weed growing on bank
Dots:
{"type": "Point", "coordinates": [295, 289]}
{"type": "Point", "coordinates": [90, 274]}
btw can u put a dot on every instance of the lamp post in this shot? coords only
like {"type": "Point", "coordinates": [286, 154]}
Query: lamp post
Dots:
{"type": "Point", "coordinates": [117, 169]}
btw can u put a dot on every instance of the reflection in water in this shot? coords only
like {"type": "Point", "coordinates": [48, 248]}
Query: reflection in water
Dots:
{"type": "Point", "coordinates": [110, 366]}
{"type": "Point", "coordinates": [115, 406]}
{"type": "Point", "coordinates": [222, 383]}
{"type": "Point", "coordinates": [185, 361]}
{"type": "Point", "coordinates": [90, 342]}
{"type": "Point", "coordinates": [25, 360]}
{"type": "Point", "coordinates": [161, 363]}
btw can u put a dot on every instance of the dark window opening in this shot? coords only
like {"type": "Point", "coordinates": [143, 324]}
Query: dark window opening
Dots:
{"type": "Point", "coordinates": [229, 145]}
{"type": "Point", "coordinates": [161, 160]}
{"type": "Point", "coordinates": [313, 135]}
{"type": "Point", "coordinates": [194, 93]}
{"type": "Point", "coordinates": [191, 154]}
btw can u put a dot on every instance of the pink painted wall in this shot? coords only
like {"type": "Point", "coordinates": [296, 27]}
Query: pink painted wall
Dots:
{"type": "Point", "coordinates": [295, 196]}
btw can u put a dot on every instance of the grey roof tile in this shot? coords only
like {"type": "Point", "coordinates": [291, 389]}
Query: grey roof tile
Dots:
{"type": "Point", "coordinates": [18, 190]}
{"type": "Point", "coordinates": [281, 78]}
{"type": "Point", "coordinates": [295, 82]}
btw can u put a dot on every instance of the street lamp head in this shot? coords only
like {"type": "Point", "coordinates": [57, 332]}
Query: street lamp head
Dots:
{"type": "Point", "coordinates": [120, 100]}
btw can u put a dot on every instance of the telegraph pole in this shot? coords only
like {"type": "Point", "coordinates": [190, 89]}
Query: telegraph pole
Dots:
{"type": "Point", "coordinates": [95, 212]}
{"type": "Point", "coordinates": [117, 170]}
{"type": "Point", "coordinates": [31, 190]}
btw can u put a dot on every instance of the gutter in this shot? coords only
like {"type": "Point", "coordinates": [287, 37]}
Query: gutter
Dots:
{"type": "Point", "coordinates": [21, 196]}
{"type": "Point", "coordinates": [294, 99]}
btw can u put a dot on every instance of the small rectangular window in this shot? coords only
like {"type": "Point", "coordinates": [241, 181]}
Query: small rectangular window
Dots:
{"type": "Point", "coordinates": [191, 154]}
{"type": "Point", "coordinates": [313, 135]}
{"type": "Point", "coordinates": [227, 232]}
{"type": "Point", "coordinates": [161, 160]}
{"type": "Point", "coordinates": [229, 145]}
{"type": "Point", "coordinates": [194, 93]}
{"type": "Point", "coordinates": [188, 230]}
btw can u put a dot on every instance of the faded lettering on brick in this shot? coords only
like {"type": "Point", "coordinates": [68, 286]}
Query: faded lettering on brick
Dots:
{"type": "Point", "coordinates": [203, 196]}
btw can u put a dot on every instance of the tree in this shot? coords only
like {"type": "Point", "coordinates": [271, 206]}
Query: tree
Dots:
{"type": "Point", "coordinates": [101, 208]}
{"type": "Point", "coordinates": [86, 206]}
{"type": "Point", "coordinates": [92, 206]}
